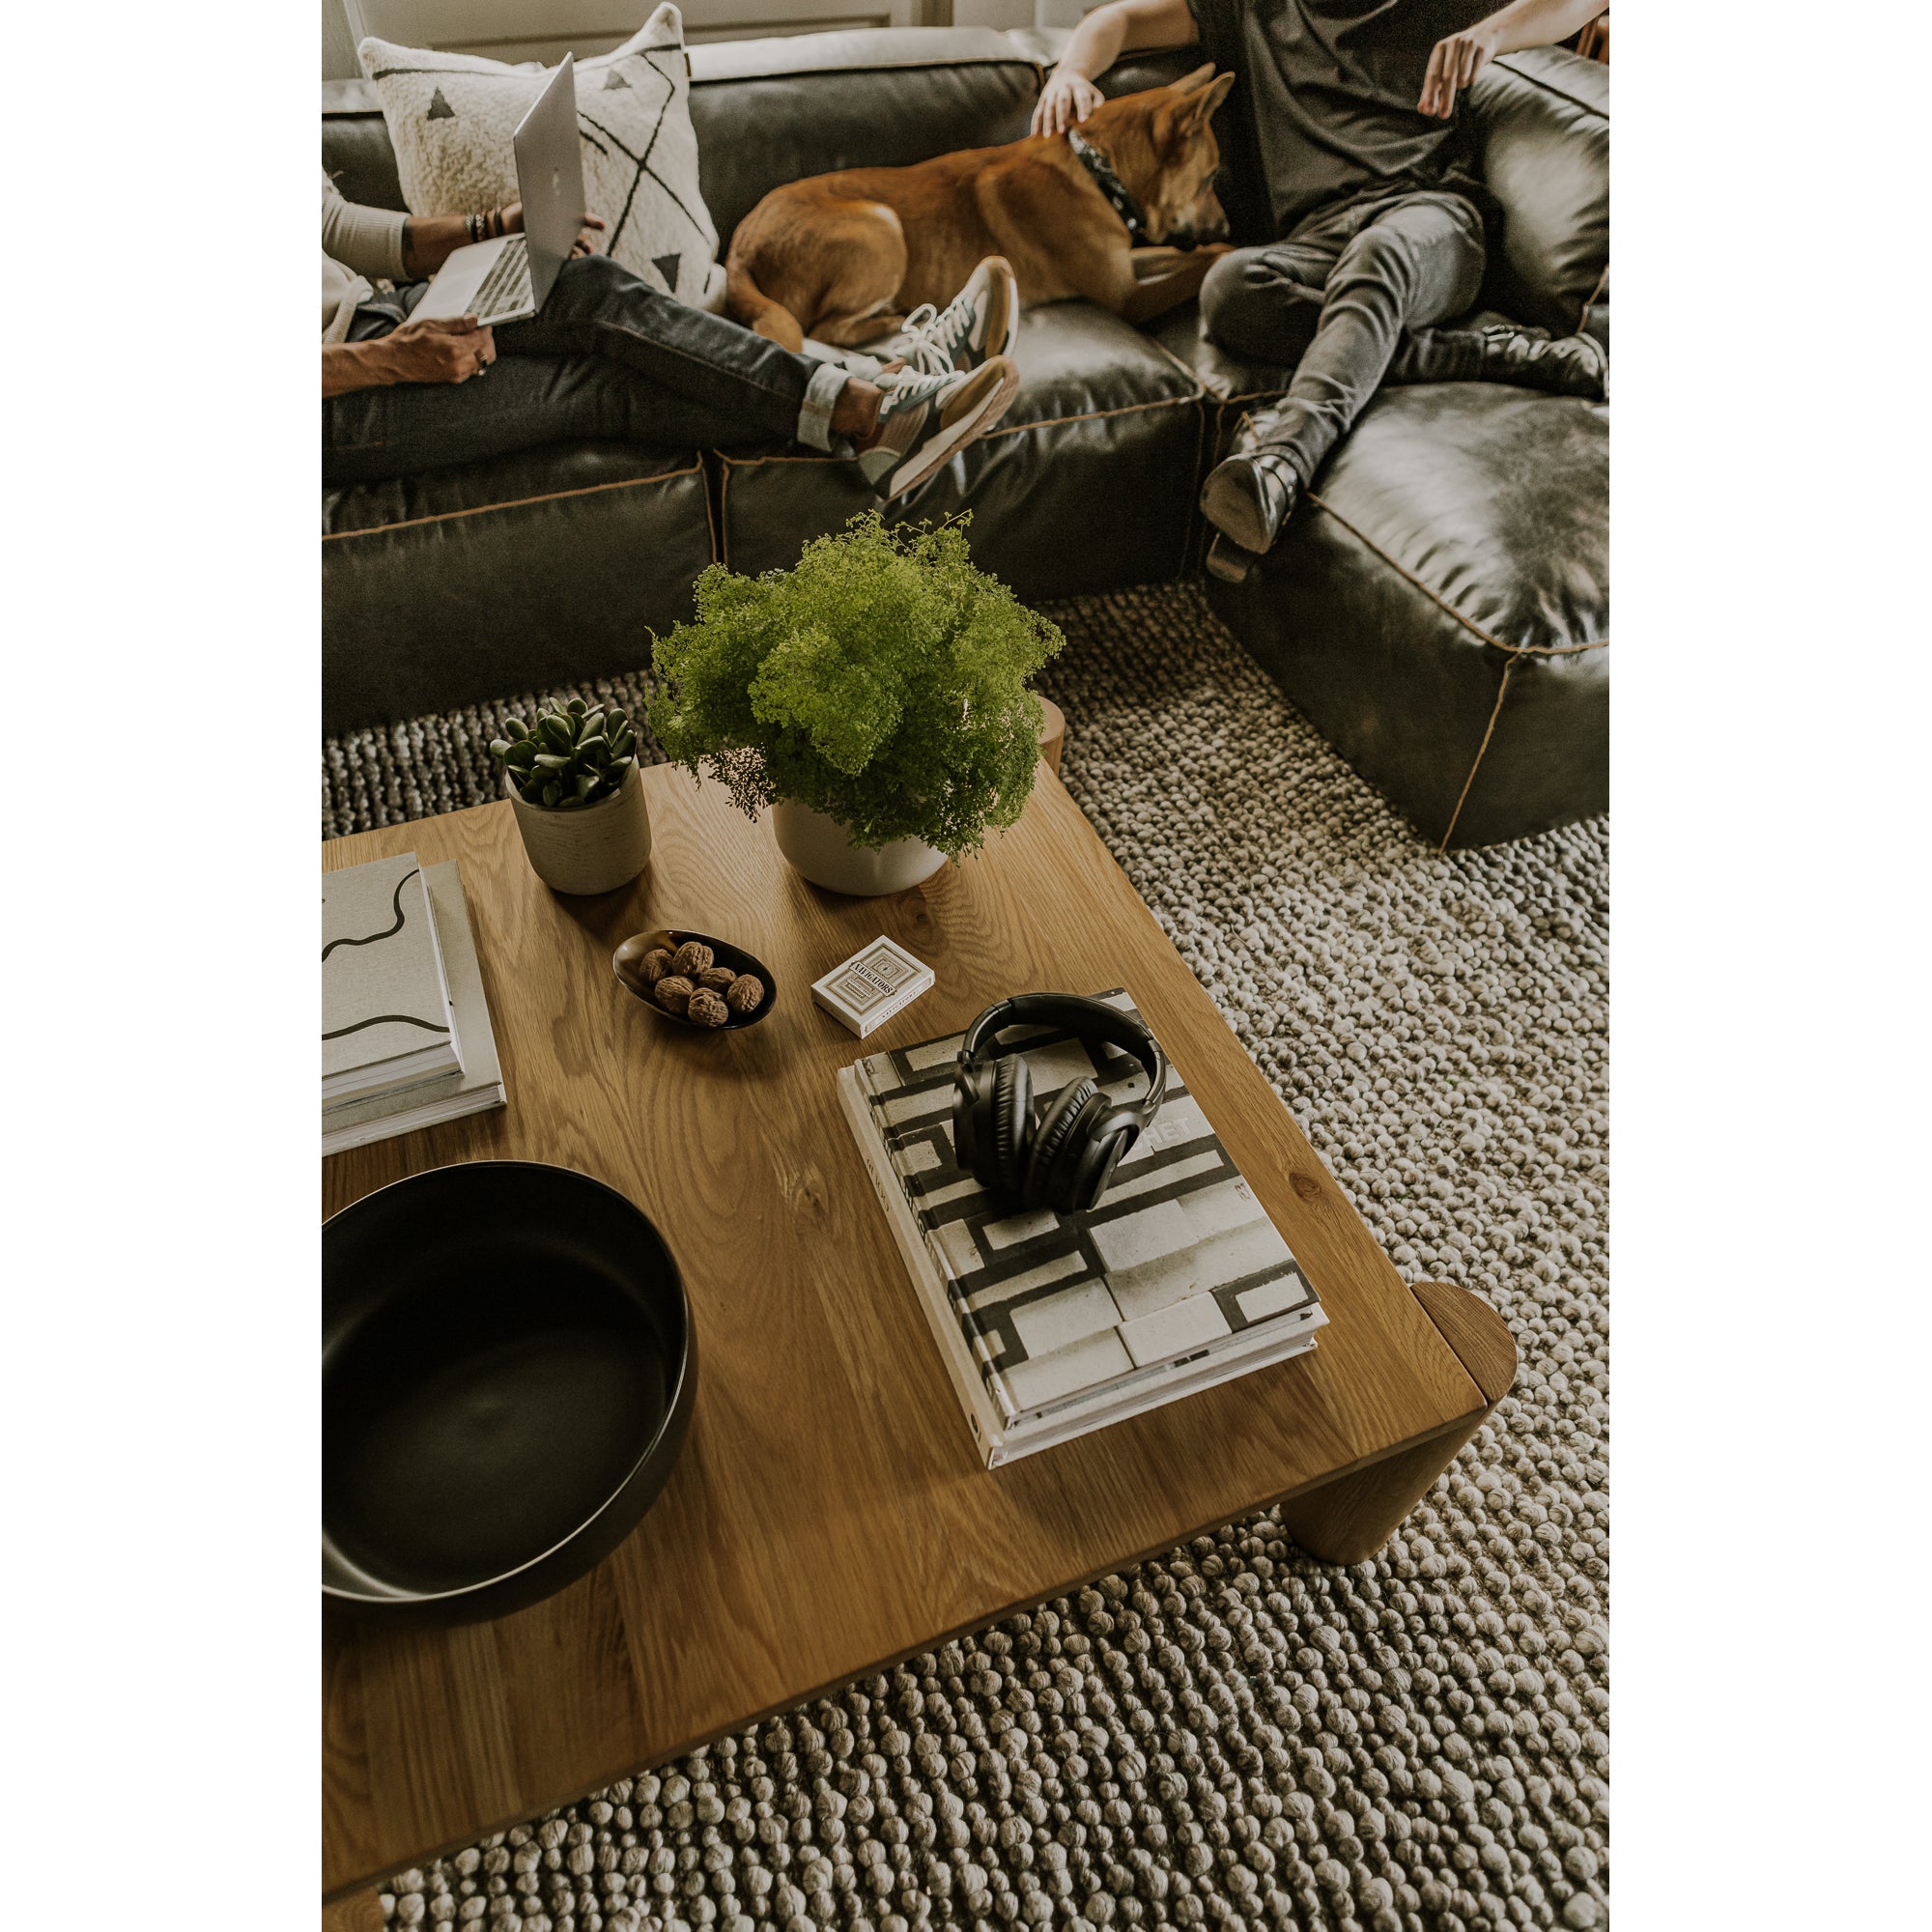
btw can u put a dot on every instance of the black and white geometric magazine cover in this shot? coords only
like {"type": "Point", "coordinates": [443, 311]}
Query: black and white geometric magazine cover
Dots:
{"type": "Point", "coordinates": [1177, 1261]}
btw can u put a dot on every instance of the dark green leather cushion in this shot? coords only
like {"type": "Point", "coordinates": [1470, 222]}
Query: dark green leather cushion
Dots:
{"type": "Point", "coordinates": [1088, 483]}
{"type": "Point", "coordinates": [503, 576]}
{"type": "Point", "coordinates": [1544, 133]}
{"type": "Point", "coordinates": [767, 112]}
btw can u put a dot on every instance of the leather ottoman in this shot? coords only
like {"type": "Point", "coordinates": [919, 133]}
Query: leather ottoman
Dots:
{"type": "Point", "coordinates": [1440, 607]}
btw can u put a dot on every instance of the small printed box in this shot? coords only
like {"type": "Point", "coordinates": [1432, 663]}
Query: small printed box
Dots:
{"type": "Point", "coordinates": [868, 988]}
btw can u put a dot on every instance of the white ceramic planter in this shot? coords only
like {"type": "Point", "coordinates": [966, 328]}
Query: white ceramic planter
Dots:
{"type": "Point", "coordinates": [596, 850]}
{"type": "Point", "coordinates": [823, 851]}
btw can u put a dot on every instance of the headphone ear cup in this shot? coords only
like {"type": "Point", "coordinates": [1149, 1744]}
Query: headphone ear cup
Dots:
{"type": "Point", "coordinates": [1052, 1160]}
{"type": "Point", "coordinates": [973, 1123]}
{"type": "Point", "coordinates": [1011, 1123]}
{"type": "Point", "coordinates": [965, 1123]}
{"type": "Point", "coordinates": [1095, 1171]}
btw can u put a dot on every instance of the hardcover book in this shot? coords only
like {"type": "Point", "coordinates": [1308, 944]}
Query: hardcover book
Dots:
{"type": "Point", "coordinates": [386, 1016]}
{"type": "Point", "coordinates": [477, 1084]}
{"type": "Point", "coordinates": [1052, 1324]}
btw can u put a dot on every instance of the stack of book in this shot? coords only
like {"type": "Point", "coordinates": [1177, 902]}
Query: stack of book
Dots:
{"type": "Point", "coordinates": [1052, 1325]}
{"type": "Point", "coordinates": [406, 1034]}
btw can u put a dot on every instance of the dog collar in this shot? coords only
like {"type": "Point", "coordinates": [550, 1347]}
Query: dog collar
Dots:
{"type": "Point", "coordinates": [1109, 183]}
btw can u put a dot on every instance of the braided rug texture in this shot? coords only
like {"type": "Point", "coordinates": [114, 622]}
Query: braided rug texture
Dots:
{"type": "Point", "coordinates": [1233, 1736]}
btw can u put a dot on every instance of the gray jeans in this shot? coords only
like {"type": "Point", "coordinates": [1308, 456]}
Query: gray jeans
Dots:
{"type": "Point", "coordinates": [1334, 300]}
{"type": "Point", "coordinates": [610, 358]}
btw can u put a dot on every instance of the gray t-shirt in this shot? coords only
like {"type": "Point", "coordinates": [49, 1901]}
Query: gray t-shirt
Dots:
{"type": "Point", "coordinates": [1323, 109]}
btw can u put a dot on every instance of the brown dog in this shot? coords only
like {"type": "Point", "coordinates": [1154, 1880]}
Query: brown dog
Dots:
{"type": "Point", "coordinates": [844, 257]}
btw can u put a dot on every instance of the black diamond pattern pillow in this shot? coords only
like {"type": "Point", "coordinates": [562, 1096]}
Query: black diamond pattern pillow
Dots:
{"type": "Point", "coordinates": [451, 118]}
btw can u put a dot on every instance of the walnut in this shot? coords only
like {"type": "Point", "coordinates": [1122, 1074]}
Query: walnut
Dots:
{"type": "Point", "coordinates": [745, 993]}
{"type": "Point", "coordinates": [693, 957]}
{"type": "Point", "coordinates": [707, 1008]}
{"type": "Point", "coordinates": [673, 993]}
{"type": "Point", "coordinates": [715, 978]}
{"type": "Point", "coordinates": [654, 965]}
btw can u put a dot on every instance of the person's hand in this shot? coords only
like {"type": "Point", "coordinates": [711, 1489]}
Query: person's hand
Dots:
{"type": "Point", "coordinates": [590, 226]}
{"type": "Point", "coordinates": [443, 349]}
{"type": "Point", "coordinates": [1454, 62]}
{"type": "Point", "coordinates": [1065, 100]}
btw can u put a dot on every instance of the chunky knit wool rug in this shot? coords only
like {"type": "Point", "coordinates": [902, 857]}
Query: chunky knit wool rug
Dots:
{"type": "Point", "coordinates": [1235, 1734]}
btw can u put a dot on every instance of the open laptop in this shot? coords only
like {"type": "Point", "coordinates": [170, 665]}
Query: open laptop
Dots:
{"type": "Point", "coordinates": [508, 278]}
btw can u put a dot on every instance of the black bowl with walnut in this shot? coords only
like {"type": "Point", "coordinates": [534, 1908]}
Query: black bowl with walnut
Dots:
{"type": "Point", "coordinates": [695, 979]}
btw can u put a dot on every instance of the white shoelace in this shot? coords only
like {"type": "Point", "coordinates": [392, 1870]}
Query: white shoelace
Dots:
{"type": "Point", "coordinates": [910, 386]}
{"type": "Point", "coordinates": [932, 336]}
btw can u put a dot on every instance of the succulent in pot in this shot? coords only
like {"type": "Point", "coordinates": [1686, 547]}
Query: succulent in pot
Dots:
{"type": "Point", "coordinates": [875, 695]}
{"type": "Point", "coordinates": [574, 786]}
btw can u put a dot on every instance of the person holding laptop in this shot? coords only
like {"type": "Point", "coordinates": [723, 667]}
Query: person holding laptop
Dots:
{"type": "Point", "coordinates": [596, 354]}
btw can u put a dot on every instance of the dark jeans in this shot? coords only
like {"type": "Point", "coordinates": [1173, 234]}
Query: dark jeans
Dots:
{"type": "Point", "coordinates": [608, 358]}
{"type": "Point", "coordinates": [1335, 298]}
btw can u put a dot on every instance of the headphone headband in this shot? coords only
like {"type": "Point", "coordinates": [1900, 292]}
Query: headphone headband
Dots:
{"type": "Point", "coordinates": [1089, 1019]}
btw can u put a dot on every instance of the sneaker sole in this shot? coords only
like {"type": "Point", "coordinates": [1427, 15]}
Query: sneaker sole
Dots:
{"type": "Point", "coordinates": [941, 448]}
{"type": "Point", "coordinates": [1009, 322]}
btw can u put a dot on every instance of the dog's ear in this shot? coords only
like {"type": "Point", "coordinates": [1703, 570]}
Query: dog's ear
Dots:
{"type": "Point", "coordinates": [1189, 82]}
{"type": "Point", "coordinates": [1192, 114]}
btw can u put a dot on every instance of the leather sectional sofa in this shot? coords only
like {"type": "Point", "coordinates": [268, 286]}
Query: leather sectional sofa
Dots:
{"type": "Point", "coordinates": [1439, 610]}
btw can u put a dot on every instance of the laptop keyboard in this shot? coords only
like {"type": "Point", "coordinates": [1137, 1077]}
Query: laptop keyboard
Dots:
{"type": "Point", "coordinates": [507, 288]}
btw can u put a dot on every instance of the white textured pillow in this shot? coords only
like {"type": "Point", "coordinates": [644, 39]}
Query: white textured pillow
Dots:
{"type": "Point", "coordinates": [452, 117]}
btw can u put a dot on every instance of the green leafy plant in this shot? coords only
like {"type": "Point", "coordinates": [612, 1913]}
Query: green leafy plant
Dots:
{"type": "Point", "coordinates": [882, 681]}
{"type": "Point", "coordinates": [571, 758]}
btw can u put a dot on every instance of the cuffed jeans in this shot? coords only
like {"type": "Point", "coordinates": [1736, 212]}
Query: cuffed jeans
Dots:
{"type": "Point", "coordinates": [608, 358]}
{"type": "Point", "coordinates": [1334, 300]}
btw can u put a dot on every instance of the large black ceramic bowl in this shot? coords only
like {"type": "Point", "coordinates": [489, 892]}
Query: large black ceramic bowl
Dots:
{"type": "Point", "coordinates": [507, 1368]}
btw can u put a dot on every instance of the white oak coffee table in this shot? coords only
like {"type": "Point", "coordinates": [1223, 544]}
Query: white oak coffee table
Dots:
{"type": "Point", "coordinates": [828, 1515]}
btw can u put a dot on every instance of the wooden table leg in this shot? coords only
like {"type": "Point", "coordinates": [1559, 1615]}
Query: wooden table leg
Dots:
{"type": "Point", "coordinates": [1349, 1520]}
{"type": "Point", "coordinates": [1052, 734]}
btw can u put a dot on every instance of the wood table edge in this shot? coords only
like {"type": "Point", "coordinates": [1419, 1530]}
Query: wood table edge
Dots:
{"type": "Point", "coordinates": [356, 1910]}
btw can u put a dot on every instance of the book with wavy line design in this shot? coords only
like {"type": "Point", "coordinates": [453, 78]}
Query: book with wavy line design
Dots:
{"type": "Point", "coordinates": [386, 1020]}
{"type": "Point", "coordinates": [448, 1097]}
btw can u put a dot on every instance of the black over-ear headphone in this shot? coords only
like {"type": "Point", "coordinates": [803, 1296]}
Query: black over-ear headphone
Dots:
{"type": "Point", "coordinates": [1067, 1162]}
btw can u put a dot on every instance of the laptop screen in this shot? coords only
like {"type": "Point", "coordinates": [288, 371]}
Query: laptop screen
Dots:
{"type": "Point", "coordinates": [550, 177]}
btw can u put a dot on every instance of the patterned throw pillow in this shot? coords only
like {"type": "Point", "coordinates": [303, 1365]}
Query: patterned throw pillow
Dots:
{"type": "Point", "coordinates": [451, 118]}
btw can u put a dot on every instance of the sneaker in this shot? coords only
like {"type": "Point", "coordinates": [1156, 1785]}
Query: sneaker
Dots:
{"type": "Point", "coordinates": [981, 321]}
{"type": "Point", "coordinates": [926, 418]}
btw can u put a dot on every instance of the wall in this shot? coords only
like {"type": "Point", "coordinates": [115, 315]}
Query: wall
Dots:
{"type": "Point", "coordinates": [338, 44]}
{"type": "Point", "coordinates": [545, 30]}
{"type": "Point", "coordinates": [518, 30]}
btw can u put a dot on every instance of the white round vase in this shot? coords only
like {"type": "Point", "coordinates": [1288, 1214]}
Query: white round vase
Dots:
{"type": "Point", "coordinates": [822, 850]}
{"type": "Point", "coordinates": [595, 850]}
